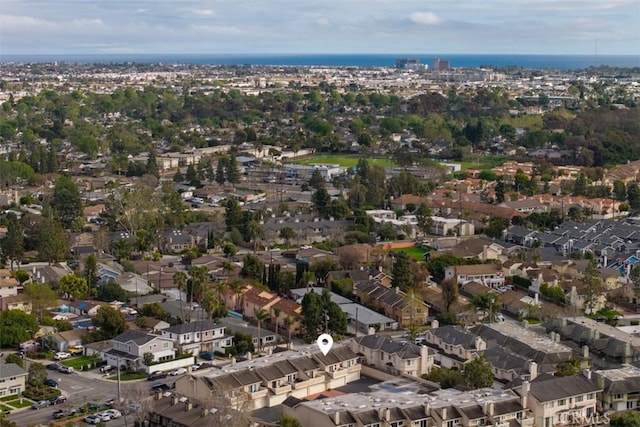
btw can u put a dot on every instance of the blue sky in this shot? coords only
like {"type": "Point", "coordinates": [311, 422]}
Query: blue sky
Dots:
{"type": "Point", "coordinates": [320, 26]}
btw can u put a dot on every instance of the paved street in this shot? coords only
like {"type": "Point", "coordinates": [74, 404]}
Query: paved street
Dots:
{"type": "Point", "coordinates": [80, 389]}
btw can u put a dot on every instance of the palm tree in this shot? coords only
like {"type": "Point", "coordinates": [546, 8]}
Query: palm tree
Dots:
{"type": "Point", "coordinates": [228, 267]}
{"type": "Point", "coordinates": [255, 232]}
{"type": "Point", "coordinates": [220, 288]}
{"type": "Point", "coordinates": [276, 315]}
{"type": "Point", "coordinates": [261, 315]}
{"type": "Point", "coordinates": [237, 287]}
{"type": "Point", "coordinates": [209, 303]}
{"type": "Point", "coordinates": [180, 279]}
{"type": "Point", "coordinates": [289, 322]}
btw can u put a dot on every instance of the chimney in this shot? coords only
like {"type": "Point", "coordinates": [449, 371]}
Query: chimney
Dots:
{"type": "Point", "coordinates": [525, 323]}
{"type": "Point", "coordinates": [557, 337]}
{"type": "Point", "coordinates": [188, 406]}
{"type": "Point", "coordinates": [435, 324]}
{"type": "Point", "coordinates": [524, 393]}
{"type": "Point", "coordinates": [158, 395]}
{"type": "Point", "coordinates": [337, 418]}
{"type": "Point", "coordinates": [397, 289]}
{"type": "Point", "coordinates": [174, 400]}
{"type": "Point", "coordinates": [485, 252]}
{"type": "Point", "coordinates": [204, 412]}
{"type": "Point", "coordinates": [444, 413]}
{"type": "Point", "coordinates": [587, 373]}
{"type": "Point", "coordinates": [585, 352]}
{"type": "Point", "coordinates": [627, 349]}
{"type": "Point", "coordinates": [535, 299]}
{"type": "Point", "coordinates": [552, 336]}
{"type": "Point", "coordinates": [533, 370]}
{"type": "Point", "coordinates": [387, 414]}
{"type": "Point", "coordinates": [489, 409]}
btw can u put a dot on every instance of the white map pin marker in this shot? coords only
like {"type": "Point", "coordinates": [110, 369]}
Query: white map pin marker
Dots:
{"type": "Point", "coordinates": [325, 342]}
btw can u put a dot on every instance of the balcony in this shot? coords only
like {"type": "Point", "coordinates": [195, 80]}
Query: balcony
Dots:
{"type": "Point", "coordinates": [308, 383]}
{"type": "Point", "coordinates": [339, 373]}
{"type": "Point", "coordinates": [285, 388]}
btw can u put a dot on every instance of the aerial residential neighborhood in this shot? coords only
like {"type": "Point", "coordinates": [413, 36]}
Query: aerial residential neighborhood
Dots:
{"type": "Point", "coordinates": [176, 238]}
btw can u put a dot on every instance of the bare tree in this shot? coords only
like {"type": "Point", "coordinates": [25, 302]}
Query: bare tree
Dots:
{"type": "Point", "coordinates": [136, 403]}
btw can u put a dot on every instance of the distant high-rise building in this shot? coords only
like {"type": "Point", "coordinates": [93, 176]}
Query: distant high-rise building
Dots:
{"type": "Point", "coordinates": [408, 64]}
{"type": "Point", "coordinates": [441, 64]}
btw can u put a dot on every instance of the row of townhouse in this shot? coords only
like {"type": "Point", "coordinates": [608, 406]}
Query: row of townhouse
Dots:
{"type": "Point", "coordinates": [269, 381]}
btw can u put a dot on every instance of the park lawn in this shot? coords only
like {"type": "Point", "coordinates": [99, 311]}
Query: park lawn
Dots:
{"type": "Point", "coordinates": [344, 160]}
{"type": "Point", "coordinates": [415, 252]}
{"type": "Point", "coordinates": [78, 362]}
{"type": "Point", "coordinates": [129, 376]}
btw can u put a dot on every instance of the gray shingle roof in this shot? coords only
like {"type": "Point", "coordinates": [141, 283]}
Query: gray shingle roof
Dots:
{"type": "Point", "coordinates": [562, 387]}
{"type": "Point", "coordinates": [8, 370]}
{"type": "Point", "coordinates": [137, 337]}
{"type": "Point", "coordinates": [197, 326]}
{"type": "Point", "coordinates": [404, 349]}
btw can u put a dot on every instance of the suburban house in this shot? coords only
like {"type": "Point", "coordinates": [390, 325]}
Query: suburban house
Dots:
{"type": "Point", "coordinates": [8, 285]}
{"type": "Point", "coordinates": [129, 347]}
{"type": "Point", "coordinates": [12, 379]}
{"type": "Point", "coordinates": [151, 324]}
{"type": "Point", "coordinates": [134, 283]}
{"type": "Point", "coordinates": [394, 356]}
{"type": "Point", "coordinates": [405, 309]}
{"type": "Point", "coordinates": [620, 388]}
{"type": "Point", "coordinates": [455, 345]}
{"type": "Point", "coordinates": [65, 339]}
{"type": "Point", "coordinates": [198, 337]}
{"type": "Point", "coordinates": [562, 400]}
{"type": "Point", "coordinates": [489, 275]}
{"type": "Point", "coordinates": [265, 339]}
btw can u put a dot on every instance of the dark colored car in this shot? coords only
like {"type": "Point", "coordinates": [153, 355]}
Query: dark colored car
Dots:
{"type": "Point", "coordinates": [160, 388]}
{"type": "Point", "coordinates": [207, 356]}
{"type": "Point", "coordinates": [158, 375]}
{"type": "Point", "coordinates": [58, 399]}
{"type": "Point", "coordinates": [50, 382]}
{"type": "Point", "coordinates": [53, 367]}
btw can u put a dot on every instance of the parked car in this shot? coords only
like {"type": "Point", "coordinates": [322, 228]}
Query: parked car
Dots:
{"type": "Point", "coordinates": [50, 382]}
{"type": "Point", "coordinates": [104, 416]}
{"type": "Point", "coordinates": [113, 413]}
{"type": "Point", "coordinates": [197, 366]}
{"type": "Point", "coordinates": [92, 419]}
{"type": "Point", "coordinates": [41, 404]}
{"type": "Point", "coordinates": [53, 367]}
{"type": "Point", "coordinates": [157, 375]}
{"type": "Point", "coordinates": [58, 414]}
{"type": "Point", "coordinates": [61, 355]}
{"type": "Point", "coordinates": [76, 350]}
{"type": "Point", "coordinates": [109, 402]}
{"type": "Point", "coordinates": [59, 399]}
{"type": "Point", "coordinates": [207, 356]}
{"type": "Point", "coordinates": [160, 388]}
{"type": "Point", "coordinates": [179, 371]}
{"type": "Point", "coordinates": [67, 369]}
{"type": "Point", "coordinates": [106, 369]}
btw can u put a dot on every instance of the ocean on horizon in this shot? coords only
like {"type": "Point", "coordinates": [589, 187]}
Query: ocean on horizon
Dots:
{"type": "Point", "coordinates": [561, 62]}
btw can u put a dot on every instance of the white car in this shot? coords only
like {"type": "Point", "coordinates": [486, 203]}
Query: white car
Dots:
{"type": "Point", "coordinates": [179, 371]}
{"type": "Point", "coordinates": [113, 413]}
{"type": "Point", "coordinates": [196, 366]}
{"type": "Point", "coordinates": [61, 355]}
{"type": "Point", "coordinates": [104, 416]}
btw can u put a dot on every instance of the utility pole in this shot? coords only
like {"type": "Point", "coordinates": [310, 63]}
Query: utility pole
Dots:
{"type": "Point", "coordinates": [118, 367]}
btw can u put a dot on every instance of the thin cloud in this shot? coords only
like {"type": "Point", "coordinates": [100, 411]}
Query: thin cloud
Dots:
{"type": "Point", "coordinates": [425, 18]}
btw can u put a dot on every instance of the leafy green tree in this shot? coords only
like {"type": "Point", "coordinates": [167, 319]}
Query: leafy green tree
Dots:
{"type": "Point", "coordinates": [287, 421]}
{"type": "Point", "coordinates": [568, 368]}
{"type": "Point", "coordinates": [478, 373]}
{"type": "Point", "coordinates": [154, 310]}
{"type": "Point", "coordinates": [287, 234]}
{"type": "Point", "coordinates": [254, 233]}
{"type": "Point", "coordinates": [52, 243]}
{"type": "Point", "coordinates": [316, 181]}
{"type": "Point", "coordinates": [109, 323]}
{"type": "Point", "coordinates": [232, 170]}
{"type": "Point", "coordinates": [495, 228]}
{"type": "Point", "coordinates": [91, 270]}
{"type": "Point", "coordinates": [73, 286]}
{"type": "Point", "coordinates": [41, 297]}
{"type": "Point", "coordinates": [488, 303]}
{"type": "Point", "coordinates": [152, 164]}
{"type": "Point", "coordinates": [620, 190]}
{"type": "Point", "coordinates": [66, 202]}
{"type": "Point", "coordinates": [321, 201]}
{"type": "Point", "coordinates": [594, 287]}
{"type": "Point", "coordinates": [625, 419]}
{"type": "Point", "coordinates": [220, 177]}
{"type": "Point", "coordinates": [17, 327]}
{"type": "Point", "coordinates": [111, 291]}
{"type": "Point", "coordinates": [633, 196]}
{"type": "Point", "coordinates": [313, 319]}
{"type": "Point", "coordinates": [147, 358]}
{"type": "Point", "coordinates": [233, 214]}
{"type": "Point", "coordinates": [13, 242]}
{"type": "Point", "coordinates": [15, 358]}
{"type": "Point", "coordinates": [37, 374]}
{"type": "Point", "coordinates": [252, 267]}
{"type": "Point", "coordinates": [424, 218]}
{"type": "Point", "coordinates": [401, 272]}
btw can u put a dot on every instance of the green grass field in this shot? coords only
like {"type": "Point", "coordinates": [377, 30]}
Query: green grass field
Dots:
{"type": "Point", "coordinates": [344, 160]}
{"type": "Point", "coordinates": [415, 252]}
{"type": "Point", "coordinates": [78, 362]}
{"type": "Point", "coordinates": [9, 398]}
{"type": "Point", "coordinates": [16, 403]}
